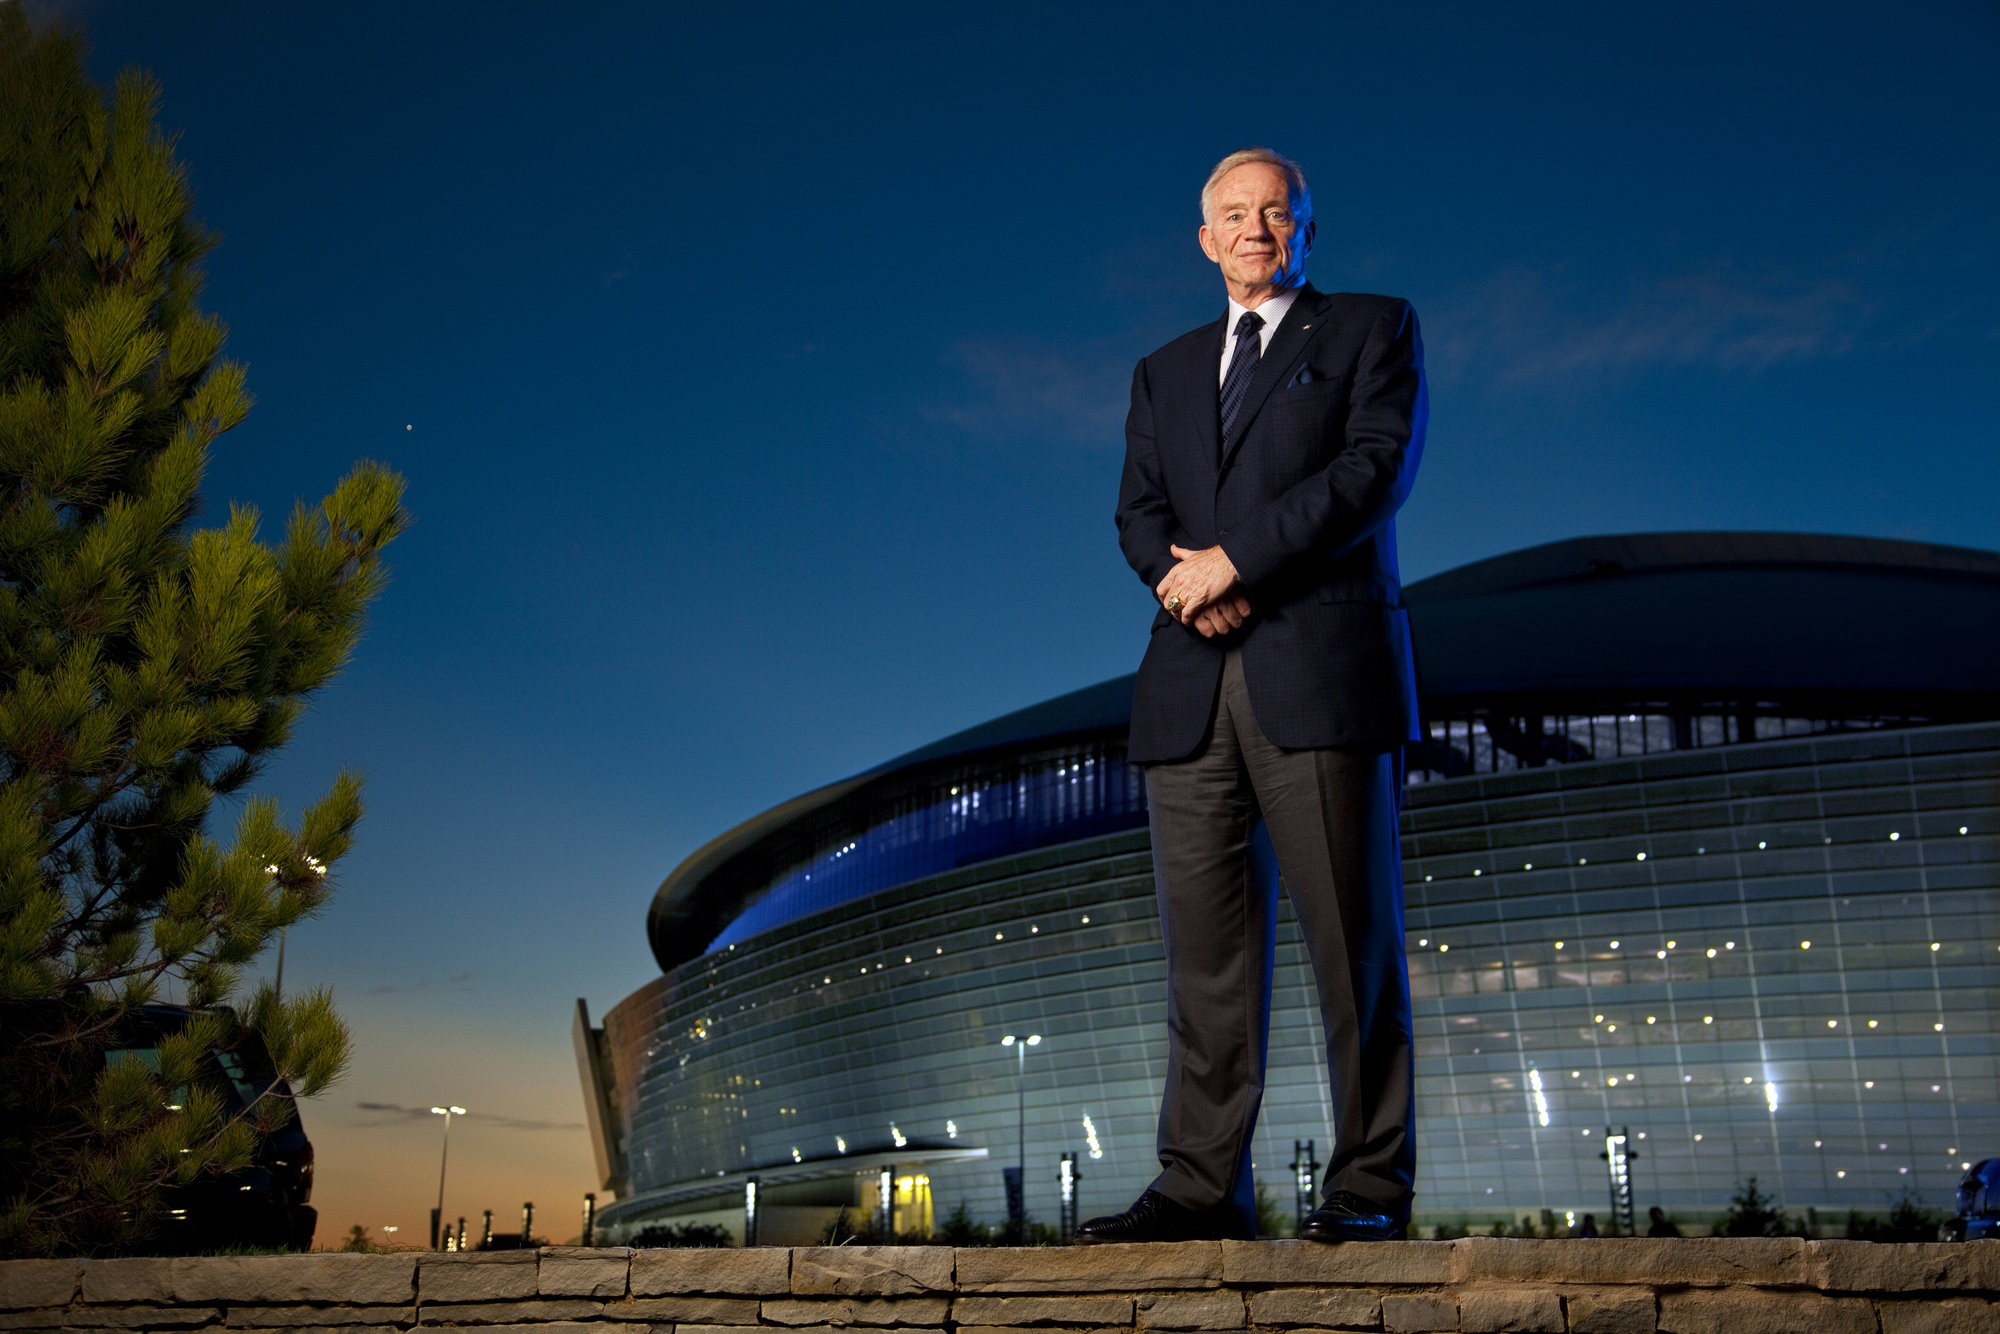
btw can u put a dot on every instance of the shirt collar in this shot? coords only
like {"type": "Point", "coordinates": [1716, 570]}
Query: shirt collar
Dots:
{"type": "Point", "coordinates": [1272, 312]}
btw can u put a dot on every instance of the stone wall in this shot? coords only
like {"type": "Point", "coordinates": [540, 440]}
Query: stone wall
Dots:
{"type": "Point", "coordinates": [1479, 1285]}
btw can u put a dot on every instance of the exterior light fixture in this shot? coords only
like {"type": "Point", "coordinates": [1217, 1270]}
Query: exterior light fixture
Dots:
{"type": "Point", "coordinates": [444, 1158]}
{"type": "Point", "coordinates": [1020, 1047]}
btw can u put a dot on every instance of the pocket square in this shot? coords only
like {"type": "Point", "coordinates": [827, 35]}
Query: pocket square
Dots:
{"type": "Point", "coordinates": [1304, 375]}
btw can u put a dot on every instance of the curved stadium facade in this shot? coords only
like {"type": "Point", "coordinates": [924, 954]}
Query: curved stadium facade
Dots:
{"type": "Point", "coordinates": [1704, 842]}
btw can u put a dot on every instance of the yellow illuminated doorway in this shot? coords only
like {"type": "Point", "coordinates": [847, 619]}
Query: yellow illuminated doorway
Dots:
{"type": "Point", "coordinates": [913, 1205]}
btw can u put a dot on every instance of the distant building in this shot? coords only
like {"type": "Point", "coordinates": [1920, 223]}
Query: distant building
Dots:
{"type": "Point", "coordinates": [1705, 843]}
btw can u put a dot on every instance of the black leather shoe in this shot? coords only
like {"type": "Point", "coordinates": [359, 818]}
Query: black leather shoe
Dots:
{"type": "Point", "coordinates": [1154, 1218]}
{"type": "Point", "coordinates": [1347, 1217]}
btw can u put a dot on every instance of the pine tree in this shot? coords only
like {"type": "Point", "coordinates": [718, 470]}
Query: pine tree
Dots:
{"type": "Point", "coordinates": [147, 667]}
{"type": "Point", "coordinates": [1752, 1213]}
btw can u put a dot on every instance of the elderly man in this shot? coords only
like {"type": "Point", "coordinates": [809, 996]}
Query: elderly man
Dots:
{"type": "Point", "coordinates": [1266, 455]}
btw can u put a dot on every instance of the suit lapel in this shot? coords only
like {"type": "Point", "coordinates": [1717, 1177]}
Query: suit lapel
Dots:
{"type": "Point", "coordinates": [1301, 324]}
{"type": "Point", "coordinates": [1204, 404]}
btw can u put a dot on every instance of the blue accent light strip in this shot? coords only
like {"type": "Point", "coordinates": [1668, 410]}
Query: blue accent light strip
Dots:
{"type": "Point", "coordinates": [1086, 792]}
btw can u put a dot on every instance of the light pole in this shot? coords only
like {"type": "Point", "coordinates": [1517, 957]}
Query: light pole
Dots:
{"type": "Point", "coordinates": [437, 1214]}
{"type": "Point", "coordinates": [1017, 1203]}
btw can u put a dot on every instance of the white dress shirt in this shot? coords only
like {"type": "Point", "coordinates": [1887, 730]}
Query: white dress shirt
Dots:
{"type": "Point", "coordinates": [1272, 312]}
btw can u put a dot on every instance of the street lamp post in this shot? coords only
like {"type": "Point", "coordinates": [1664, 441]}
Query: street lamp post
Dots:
{"type": "Point", "coordinates": [1017, 1204]}
{"type": "Point", "coordinates": [437, 1214]}
{"type": "Point", "coordinates": [1305, 1175]}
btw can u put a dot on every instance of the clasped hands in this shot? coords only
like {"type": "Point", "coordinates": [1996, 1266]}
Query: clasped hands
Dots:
{"type": "Point", "coordinates": [1203, 591]}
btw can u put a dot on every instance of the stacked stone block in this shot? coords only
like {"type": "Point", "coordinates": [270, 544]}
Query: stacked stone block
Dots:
{"type": "Point", "coordinates": [1476, 1285]}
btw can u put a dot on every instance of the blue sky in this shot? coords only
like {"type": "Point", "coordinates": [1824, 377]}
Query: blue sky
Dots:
{"type": "Point", "coordinates": [759, 374]}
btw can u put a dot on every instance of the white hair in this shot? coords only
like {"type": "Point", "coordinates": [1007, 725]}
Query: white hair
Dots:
{"type": "Point", "coordinates": [1295, 177]}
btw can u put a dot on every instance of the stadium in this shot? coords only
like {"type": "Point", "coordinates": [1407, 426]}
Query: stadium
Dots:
{"type": "Point", "coordinates": [1703, 844]}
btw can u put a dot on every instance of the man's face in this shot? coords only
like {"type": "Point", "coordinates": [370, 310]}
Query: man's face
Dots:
{"type": "Point", "coordinates": [1252, 232]}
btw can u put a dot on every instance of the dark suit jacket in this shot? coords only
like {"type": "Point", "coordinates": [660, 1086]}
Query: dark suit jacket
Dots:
{"type": "Point", "coordinates": [1302, 498]}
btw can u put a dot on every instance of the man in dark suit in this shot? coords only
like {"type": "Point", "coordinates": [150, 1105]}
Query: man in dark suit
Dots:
{"type": "Point", "coordinates": [1266, 455]}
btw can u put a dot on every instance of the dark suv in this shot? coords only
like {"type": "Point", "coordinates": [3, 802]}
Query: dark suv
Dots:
{"type": "Point", "coordinates": [265, 1204]}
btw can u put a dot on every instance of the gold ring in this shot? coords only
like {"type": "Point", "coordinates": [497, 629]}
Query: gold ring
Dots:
{"type": "Point", "coordinates": [1174, 605]}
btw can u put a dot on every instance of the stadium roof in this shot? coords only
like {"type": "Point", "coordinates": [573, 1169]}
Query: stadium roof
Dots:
{"type": "Point", "coordinates": [1856, 624]}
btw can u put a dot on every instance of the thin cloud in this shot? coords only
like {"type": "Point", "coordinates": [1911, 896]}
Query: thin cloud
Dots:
{"type": "Point", "coordinates": [1075, 394]}
{"type": "Point", "coordinates": [1526, 326]}
{"type": "Point", "coordinates": [395, 1114]}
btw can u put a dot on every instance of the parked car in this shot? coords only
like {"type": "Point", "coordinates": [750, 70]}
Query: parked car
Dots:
{"type": "Point", "coordinates": [265, 1204]}
{"type": "Point", "coordinates": [1978, 1203]}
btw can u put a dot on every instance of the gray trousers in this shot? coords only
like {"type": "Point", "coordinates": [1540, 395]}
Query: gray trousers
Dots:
{"type": "Point", "coordinates": [1332, 821]}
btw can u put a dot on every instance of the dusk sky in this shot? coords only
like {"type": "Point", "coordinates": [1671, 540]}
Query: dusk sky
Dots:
{"type": "Point", "coordinates": [759, 375]}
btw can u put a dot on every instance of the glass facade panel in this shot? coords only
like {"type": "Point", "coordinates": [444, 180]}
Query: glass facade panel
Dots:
{"type": "Point", "coordinates": [1734, 964]}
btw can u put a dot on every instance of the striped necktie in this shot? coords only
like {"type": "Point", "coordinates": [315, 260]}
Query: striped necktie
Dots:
{"type": "Point", "coordinates": [1236, 384]}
